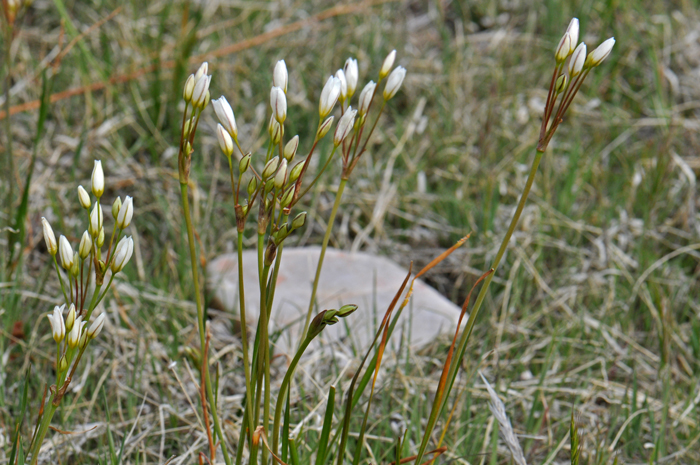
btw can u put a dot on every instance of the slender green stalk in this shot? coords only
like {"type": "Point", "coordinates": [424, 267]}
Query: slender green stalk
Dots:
{"type": "Point", "coordinates": [43, 429]}
{"type": "Point", "coordinates": [324, 246]}
{"type": "Point", "coordinates": [452, 374]}
{"type": "Point", "coordinates": [60, 280]}
{"type": "Point", "coordinates": [281, 398]}
{"type": "Point", "coordinates": [200, 319]}
{"type": "Point", "coordinates": [8, 126]}
{"type": "Point", "coordinates": [244, 336]}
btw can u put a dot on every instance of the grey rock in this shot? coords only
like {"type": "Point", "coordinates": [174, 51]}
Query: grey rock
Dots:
{"type": "Point", "coordinates": [367, 280]}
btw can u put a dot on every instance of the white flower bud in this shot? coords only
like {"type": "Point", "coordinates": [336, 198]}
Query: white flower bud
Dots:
{"type": "Point", "coordinates": [49, 237]}
{"type": "Point", "coordinates": [287, 197]}
{"type": "Point", "coordinates": [280, 76]}
{"type": "Point", "coordinates": [387, 65]}
{"type": "Point", "coordinates": [83, 197]}
{"type": "Point", "coordinates": [75, 267]}
{"type": "Point", "coordinates": [278, 102]}
{"type": "Point", "coordinates": [115, 207]}
{"type": "Point", "coordinates": [366, 98]}
{"type": "Point", "coordinates": [70, 319]}
{"type": "Point", "coordinates": [296, 171]}
{"type": "Point", "coordinates": [96, 326]}
{"type": "Point", "coordinates": [344, 126]}
{"type": "Point", "coordinates": [98, 179]}
{"type": "Point", "coordinates": [244, 164]}
{"type": "Point", "coordinates": [189, 88]}
{"type": "Point", "coordinates": [597, 56]}
{"type": "Point", "coordinates": [325, 127]}
{"type": "Point", "coordinates": [101, 237]}
{"type": "Point", "coordinates": [125, 213]}
{"type": "Point", "coordinates": [252, 185]}
{"type": "Point", "coordinates": [291, 148]}
{"type": "Point", "coordinates": [340, 74]}
{"type": "Point", "coordinates": [299, 221]}
{"type": "Point", "coordinates": [329, 96]}
{"type": "Point", "coordinates": [201, 87]}
{"type": "Point", "coordinates": [74, 335]}
{"type": "Point", "coordinates": [225, 114]}
{"type": "Point", "coordinates": [270, 168]}
{"type": "Point", "coordinates": [225, 141]}
{"type": "Point", "coordinates": [96, 220]}
{"type": "Point", "coordinates": [122, 254]}
{"type": "Point", "coordinates": [85, 245]}
{"type": "Point", "coordinates": [351, 75]}
{"type": "Point", "coordinates": [573, 33]}
{"type": "Point", "coordinates": [281, 175]}
{"type": "Point", "coordinates": [201, 71]}
{"type": "Point", "coordinates": [58, 327]}
{"type": "Point", "coordinates": [577, 60]}
{"type": "Point", "coordinates": [393, 84]}
{"type": "Point", "coordinates": [563, 49]}
{"type": "Point", "coordinates": [65, 251]}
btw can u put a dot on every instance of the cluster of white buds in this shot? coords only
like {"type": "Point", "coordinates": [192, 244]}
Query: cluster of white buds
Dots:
{"type": "Point", "coordinates": [197, 87]}
{"type": "Point", "coordinates": [86, 269]}
{"type": "Point", "coordinates": [567, 84]}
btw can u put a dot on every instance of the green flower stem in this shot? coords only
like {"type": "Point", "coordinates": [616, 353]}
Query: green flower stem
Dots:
{"type": "Point", "coordinates": [281, 398]}
{"type": "Point", "coordinates": [200, 319]}
{"type": "Point", "coordinates": [324, 246]}
{"type": "Point", "coordinates": [452, 374]}
{"type": "Point", "coordinates": [244, 336]}
{"type": "Point", "coordinates": [43, 429]}
{"type": "Point", "coordinates": [60, 279]}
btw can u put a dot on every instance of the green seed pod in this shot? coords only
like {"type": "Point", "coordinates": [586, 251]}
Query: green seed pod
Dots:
{"type": "Point", "coordinates": [244, 164]}
{"type": "Point", "coordinates": [252, 185]}
{"type": "Point", "coordinates": [296, 171]}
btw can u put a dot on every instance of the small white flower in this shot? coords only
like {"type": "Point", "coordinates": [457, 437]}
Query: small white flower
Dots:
{"type": "Point", "coordinates": [189, 88]}
{"type": "Point", "coordinates": [278, 102]}
{"type": "Point", "coordinates": [70, 319]}
{"type": "Point", "coordinates": [340, 74]}
{"type": "Point", "coordinates": [201, 89]}
{"type": "Point", "coordinates": [291, 148]}
{"type": "Point", "coordinates": [597, 56]}
{"type": "Point", "coordinates": [387, 65]}
{"type": "Point", "coordinates": [96, 220]}
{"type": "Point", "coordinates": [66, 252]}
{"type": "Point", "coordinates": [270, 168]}
{"type": "Point", "coordinates": [281, 176]}
{"type": "Point", "coordinates": [74, 335]}
{"type": "Point", "coordinates": [116, 206]}
{"type": "Point", "coordinates": [122, 254]}
{"type": "Point", "coordinates": [126, 212]}
{"type": "Point", "coordinates": [49, 237]}
{"type": "Point", "coordinates": [280, 76]}
{"type": "Point", "coordinates": [96, 326]}
{"type": "Point", "coordinates": [351, 75]}
{"type": "Point", "coordinates": [324, 128]}
{"type": "Point", "coordinates": [578, 58]}
{"type": "Point", "coordinates": [393, 84]}
{"type": "Point", "coordinates": [573, 32]}
{"type": "Point", "coordinates": [58, 327]}
{"type": "Point", "coordinates": [329, 96]}
{"type": "Point", "coordinates": [563, 50]}
{"type": "Point", "coordinates": [366, 98]}
{"type": "Point", "coordinates": [201, 71]}
{"type": "Point", "coordinates": [85, 245]}
{"type": "Point", "coordinates": [344, 126]}
{"type": "Point", "coordinates": [83, 197]}
{"type": "Point", "coordinates": [225, 141]}
{"type": "Point", "coordinates": [225, 114]}
{"type": "Point", "coordinates": [98, 179]}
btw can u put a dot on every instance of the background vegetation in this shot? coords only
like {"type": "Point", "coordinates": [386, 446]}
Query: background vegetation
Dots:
{"type": "Point", "coordinates": [595, 307]}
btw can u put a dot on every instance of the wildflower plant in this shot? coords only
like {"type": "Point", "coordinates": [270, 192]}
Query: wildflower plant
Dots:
{"type": "Point", "coordinates": [269, 188]}
{"type": "Point", "coordinates": [81, 274]}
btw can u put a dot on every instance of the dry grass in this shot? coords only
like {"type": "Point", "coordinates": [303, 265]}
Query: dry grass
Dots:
{"type": "Point", "coordinates": [595, 306]}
